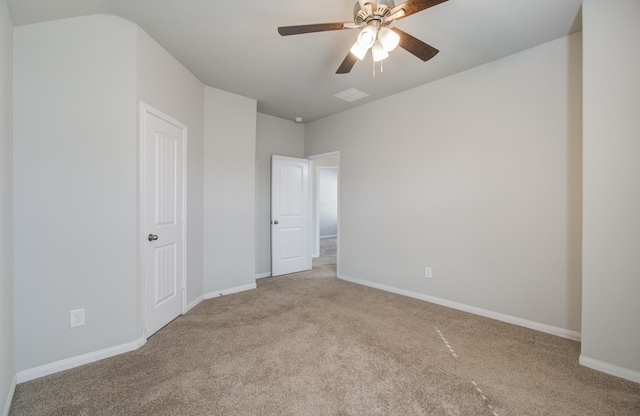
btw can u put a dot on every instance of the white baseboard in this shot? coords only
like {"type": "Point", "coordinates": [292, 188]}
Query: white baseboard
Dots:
{"type": "Point", "coordinates": [263, 275]}
{"type": "Point", "coordinates": [611, 369]}
{"type": "Point", "coordinates": [195, 303]}
{"type": "Point", "coordinates": [229, 291]}
{"type": "Point", "coordinates": [7, 403]}
{"type": "Point", "coordinates": [560, 332]}
{"type": "Point", "coordinates": [68, 363]}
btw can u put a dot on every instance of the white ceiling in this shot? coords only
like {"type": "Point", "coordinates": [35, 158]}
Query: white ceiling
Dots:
{"type": "Point", "coordinates": [234, 45]}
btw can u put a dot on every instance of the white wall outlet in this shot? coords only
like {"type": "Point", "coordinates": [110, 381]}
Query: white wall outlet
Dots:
{"type": "Point", "coordinates": [428, 273]}
{"type": "Point", "coordinates": [76, 318]}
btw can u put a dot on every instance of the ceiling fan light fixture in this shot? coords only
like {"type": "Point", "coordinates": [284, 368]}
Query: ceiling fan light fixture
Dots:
{"type": "Point", "coordinates": [388, 38]}
{"type": "Point", "coordinates": [358, 51]}
{"type": "Point", "coordinates": [378, 51]}
{"type": "Point", "coordinates": [367, 37]}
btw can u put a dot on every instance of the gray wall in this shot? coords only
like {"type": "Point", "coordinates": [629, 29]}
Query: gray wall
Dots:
{"type": "Point", "coordinates": [478, 177]}
{"type": "Point", "coordinates": [7, 337]}
{"type": "Point", "coordinates": [275, 136]}
{"type": "Point", "coordinates": [611, 244]}
{"type": "Point", "coordinates": [75, 155]}
{"type": "Point", "coordinates": [229, 192]}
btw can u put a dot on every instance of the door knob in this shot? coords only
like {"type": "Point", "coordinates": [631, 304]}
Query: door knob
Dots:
{"type": "Point", "coordinates": [276, 222]}
{"type": "Point", "coordinates": [152, 237]}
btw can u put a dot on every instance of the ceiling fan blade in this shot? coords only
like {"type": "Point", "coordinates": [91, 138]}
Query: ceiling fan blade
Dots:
{"type": "Point", "coordinates": [347, 64]}
{"type": "Point", "coordinates": [415, 45]}
{"type": "Point", "coordinates": [414, 6]}
{"type": "Point", "coordinates": [318, 27]}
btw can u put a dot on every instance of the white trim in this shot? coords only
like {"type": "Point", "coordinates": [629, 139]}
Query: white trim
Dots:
{"type": "Point", "coordinates": [560, 332]}
{"type": "Point", "coordinates": [68, 363]}
{"type": "Point", "coordinates": [7, 403]}
{"type": "Point", "coordinates": [612, 369]}
{"type": "Point", "coordinates": [195, 303]}
{"type": "Point", "coordinates": [144, 110]}
{"type": "Point", "coordinates": [324, 155]}
{"type": "Point", "coordinates": [328, 236]}
{"type": "Point", "coordinates": [230, 291]}
{"type": "Point", "coordinates": [315, 214]}
{"type": "Point", "coordinates": [263, 275]}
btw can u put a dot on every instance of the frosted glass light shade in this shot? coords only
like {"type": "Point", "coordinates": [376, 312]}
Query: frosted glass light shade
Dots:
{"type": "Point", "coordinates": [378, 51]}
{"type": "Point", "coordinates": [388, 38]}
{"type": "Point", "coordinates": [358, 51]}
{"type": "Point", "coordinates": [366, 37]}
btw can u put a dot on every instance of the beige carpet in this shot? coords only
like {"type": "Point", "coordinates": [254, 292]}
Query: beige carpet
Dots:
{"type": "Point", "coordinates": [310, 344]}
{"type": "Point", "coordinates": [328, 246]}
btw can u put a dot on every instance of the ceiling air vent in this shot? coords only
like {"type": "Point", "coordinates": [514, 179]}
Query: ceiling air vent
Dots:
{"type": "Point", "coordinates": [351, 95]}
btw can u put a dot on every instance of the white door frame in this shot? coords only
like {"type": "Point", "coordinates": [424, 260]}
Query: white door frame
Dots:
{"type": "Point", "coordinates": [315, 217]}
{"type": "Point", "coordinates": [142, 214]}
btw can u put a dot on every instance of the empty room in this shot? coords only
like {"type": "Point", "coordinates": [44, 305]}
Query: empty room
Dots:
{"type": "Point", "coordinates": [348, 207]}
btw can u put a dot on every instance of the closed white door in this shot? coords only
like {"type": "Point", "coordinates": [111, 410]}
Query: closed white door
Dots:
{"type": "Point", "coordinates": [164, 151]}
{"type": "Point", "coordinates": [290, 248]}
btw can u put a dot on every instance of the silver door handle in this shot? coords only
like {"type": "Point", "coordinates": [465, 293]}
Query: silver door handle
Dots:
{"type": "Point", "coordinates": [276, 222]}
{"type": "Point", "coordinates": [152, 237]}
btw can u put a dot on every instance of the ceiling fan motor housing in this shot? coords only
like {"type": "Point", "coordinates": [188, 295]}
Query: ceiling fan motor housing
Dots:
{"type": "Point", "coordinates": [383, 10]}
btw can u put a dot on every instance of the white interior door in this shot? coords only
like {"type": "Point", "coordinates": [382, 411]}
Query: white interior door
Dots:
{"type": "Point", "coordinates": [163, 158]}
{"type": "Point", "coordinates": [290, 248]}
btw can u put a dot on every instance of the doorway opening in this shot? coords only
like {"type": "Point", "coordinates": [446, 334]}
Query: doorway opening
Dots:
{"type": "Point", "coordinates": [325, 208]}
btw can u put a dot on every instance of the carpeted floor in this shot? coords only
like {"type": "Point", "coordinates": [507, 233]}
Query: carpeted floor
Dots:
{"type": "Point", "coordinates": [310, 344]}
{"type": "Point", "coordinates": [328, 246]}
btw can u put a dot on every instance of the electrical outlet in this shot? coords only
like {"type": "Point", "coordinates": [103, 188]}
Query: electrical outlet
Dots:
{"type": "Point", "coordinates": [428, 273]}
{"type": "Point", "coordinates": [76, 318]}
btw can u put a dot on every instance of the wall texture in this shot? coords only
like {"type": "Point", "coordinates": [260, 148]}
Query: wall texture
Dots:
{"type": "Point", "coordinates": [611, 244]}
{"type": "Point", "coordinates": [7, 337]}
{"type": "Point", "coordinates": [275, 136]}
{"type": "Point", "coordinates": [165, 84]}
{"type": "Point", "coordinates": [229, 192]}
{"type": "Point", "coordinates": [478, 177]}
{"type": "Point", "coordinates": [75, 155]}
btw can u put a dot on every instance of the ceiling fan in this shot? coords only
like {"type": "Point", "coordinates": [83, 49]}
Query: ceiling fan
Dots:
{"type": "Point", "coordinates": [373, 19]}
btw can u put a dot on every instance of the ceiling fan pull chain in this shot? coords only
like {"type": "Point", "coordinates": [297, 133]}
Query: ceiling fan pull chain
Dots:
{"type": "Point", "coordinates": [382, 66]}
{"type": "Point", "coordinates": [374, 68]}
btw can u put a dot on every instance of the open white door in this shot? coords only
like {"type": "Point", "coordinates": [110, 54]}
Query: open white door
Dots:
{"type": "Point", "coordinates": [163, 157]}
{"type": "Point", "coordinates": [290, 251]}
